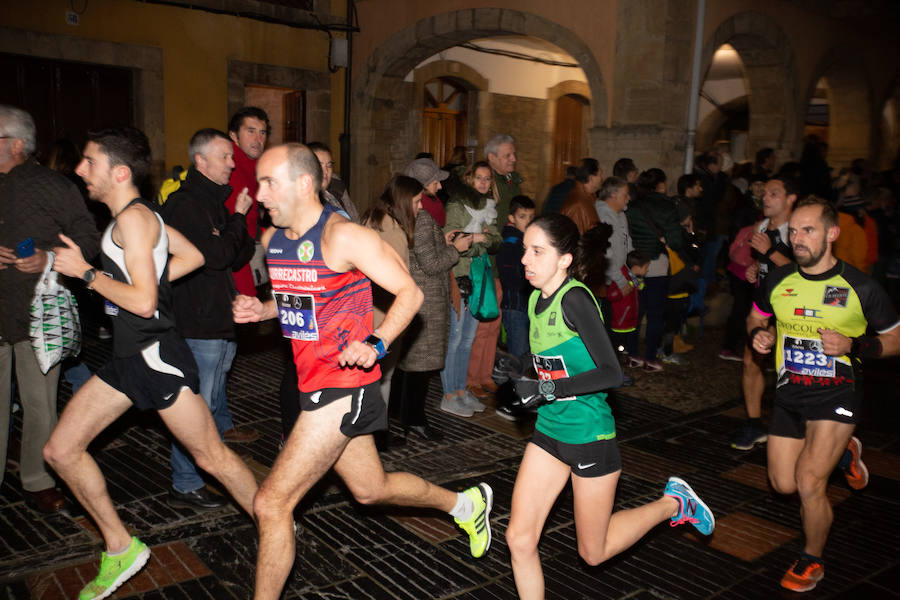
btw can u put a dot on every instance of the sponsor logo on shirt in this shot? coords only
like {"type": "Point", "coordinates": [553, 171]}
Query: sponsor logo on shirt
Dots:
{"type": "Point", "coordinates": [276, 250]}
{"type": "Point", "coordinates": [835, 296]}
{"type": "Point", "coordinates": [799, 328]}
{"type": "Point", "coordinates": [788, 292]}
{"type": "Point", "coordinates": [305, 251]}
{"type": "Point", "coordinates": [292, 274]}
{"type": "Point", "coordinates": [812, 313]}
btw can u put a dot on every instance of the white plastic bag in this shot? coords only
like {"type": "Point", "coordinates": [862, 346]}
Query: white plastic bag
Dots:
{"type": "Point", "coordinates": [55, 328]}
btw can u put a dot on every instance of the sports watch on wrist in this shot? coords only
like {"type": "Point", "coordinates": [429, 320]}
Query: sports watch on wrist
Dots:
{"type": "Point", "coordinates": [377, 343]}
{"type": "Point", "coordinates": [89, 276]}
{"type": "Point", "coordinates": [547, 388]}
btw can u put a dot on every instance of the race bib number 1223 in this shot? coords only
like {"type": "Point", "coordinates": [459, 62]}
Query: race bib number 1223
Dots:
{"type": "Point", "coordinates": [804, 356]}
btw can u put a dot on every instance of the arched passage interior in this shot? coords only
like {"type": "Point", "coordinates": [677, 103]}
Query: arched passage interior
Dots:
{"type": "Point", "coordinates": [769, 73]}
{"type": "Point", "coordinates": [841, 98]}
{"type": "Point", "coordinates": [383, 125]}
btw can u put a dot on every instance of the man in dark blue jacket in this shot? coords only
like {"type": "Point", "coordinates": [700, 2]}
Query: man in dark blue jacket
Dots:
{"type": "Point", "coordinates": [202, 299]}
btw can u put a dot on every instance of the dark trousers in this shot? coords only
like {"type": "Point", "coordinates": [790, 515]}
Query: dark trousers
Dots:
{"type": "Point", "coordinates": [652, 303]}
{"type": "Point", "coordinates": [289, 393]}
{"type": "Point", "coordinates": [408, 392]}
{"type": "Point", "coordinates": [736, 326]}
{"type": "Point", "coordinates": [673, 317]}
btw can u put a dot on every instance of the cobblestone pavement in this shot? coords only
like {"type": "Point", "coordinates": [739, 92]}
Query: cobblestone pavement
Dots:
{"type": "Point", "coordinates": [674, 423]}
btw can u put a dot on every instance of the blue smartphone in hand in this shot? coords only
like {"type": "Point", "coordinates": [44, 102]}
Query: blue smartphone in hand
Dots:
{"type": "Point", "coordinates": [25, 248]}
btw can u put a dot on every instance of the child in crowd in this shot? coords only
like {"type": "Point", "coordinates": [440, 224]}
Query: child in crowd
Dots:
{"type": "Point", "coordinates": [515, 290]}
{"type": "Point", "coordinates": [512, 275]}
{"type": "Point", "coordinates": [625, 306]}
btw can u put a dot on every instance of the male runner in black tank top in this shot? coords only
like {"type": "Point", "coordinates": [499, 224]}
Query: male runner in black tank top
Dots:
{"type": "Point", "coordinates": [152, 367]}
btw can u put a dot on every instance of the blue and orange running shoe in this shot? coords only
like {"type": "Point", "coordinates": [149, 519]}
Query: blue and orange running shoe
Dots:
{"type": "Point", "coordinates": [854, 468]}
{"type": "Point", "coordinates": [691, 508]}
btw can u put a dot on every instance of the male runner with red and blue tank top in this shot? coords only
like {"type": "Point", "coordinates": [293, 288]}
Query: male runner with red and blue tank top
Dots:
{"type": "Point", "coordinates": [320, 265]}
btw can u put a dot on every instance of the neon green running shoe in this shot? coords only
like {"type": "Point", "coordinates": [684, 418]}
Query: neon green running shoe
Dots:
{"type": "Point", "coordinates": [479, 524]}
{"type": "Point", "coordinates": [116, 570]}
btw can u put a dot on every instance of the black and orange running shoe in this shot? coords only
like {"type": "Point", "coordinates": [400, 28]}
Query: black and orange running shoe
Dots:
{"type": "Point", "coordinates": [803, 575]}
{"type": "Point", "coordinates": [855, 472]}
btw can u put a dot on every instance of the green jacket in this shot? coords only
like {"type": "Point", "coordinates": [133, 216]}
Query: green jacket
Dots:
{"type": "Point", "coordinates": [458, 218]}
{"type": "Point", "coordinates": [507, 189]}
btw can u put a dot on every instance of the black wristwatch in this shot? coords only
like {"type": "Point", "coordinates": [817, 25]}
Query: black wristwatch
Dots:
{"type": "Point", "coordinates": [547, 389]}
{"type": "Point", "coordinates": [377, 343]}
{"type": "Point", "coordinates": [89, 276]}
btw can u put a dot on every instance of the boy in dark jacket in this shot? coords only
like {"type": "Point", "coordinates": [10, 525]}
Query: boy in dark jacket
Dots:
{"type": "Point", "coordinates": [512, 275]}
{"type": "Point", "coordinates": [515, 291]}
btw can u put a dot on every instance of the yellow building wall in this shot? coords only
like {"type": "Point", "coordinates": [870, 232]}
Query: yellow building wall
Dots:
{"type": "Point", "coordinates": [196, 46]}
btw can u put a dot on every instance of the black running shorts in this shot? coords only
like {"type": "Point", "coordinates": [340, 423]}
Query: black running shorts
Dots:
{"type": "Point", "coordinates": [367, 410]}
{"type": "Point", "coordinates": [153, 379]}
{"type": "Point", "coordinates": [797, 404]}
{"type": "Point", "coordinates": [594, 459]}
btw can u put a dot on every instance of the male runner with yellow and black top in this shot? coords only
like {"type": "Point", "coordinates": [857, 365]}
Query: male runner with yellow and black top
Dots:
{"type": "Point", "coordinates": [320, 265]}
{"type": "Point", "coordinates": [822, 308]}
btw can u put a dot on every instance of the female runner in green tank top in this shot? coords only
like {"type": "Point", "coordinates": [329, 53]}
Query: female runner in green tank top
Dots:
{"type": "Point", "coordinates": [575, 433]}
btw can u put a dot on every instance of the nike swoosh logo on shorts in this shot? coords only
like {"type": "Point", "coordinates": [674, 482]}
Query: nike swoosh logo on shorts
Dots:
{"type": "Point", "coordinates": [587, 466]}
{"type": "Point", "coordinates": [315, 397]}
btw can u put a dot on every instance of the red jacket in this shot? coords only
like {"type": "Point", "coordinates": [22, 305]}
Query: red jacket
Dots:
{"type": "Point", "coordinates": [625, 308]}
{"type": "Point", "coordinates": [244, 176]}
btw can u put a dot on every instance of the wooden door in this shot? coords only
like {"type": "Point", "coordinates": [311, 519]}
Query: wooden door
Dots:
{"type": "Point", "coordinates": [443, 118]}
{"type": "Point", "coordinates": [294, 116]}
{"type": "Point", "coordinates": [568, 134]}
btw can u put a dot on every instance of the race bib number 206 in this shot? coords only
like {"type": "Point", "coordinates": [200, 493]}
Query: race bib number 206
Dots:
{"type": "Point", "coordinates": [297, 316]}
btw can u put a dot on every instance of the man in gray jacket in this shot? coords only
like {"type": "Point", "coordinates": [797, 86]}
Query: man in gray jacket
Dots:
{"type": "Point", "coordinates": [613, 198]}
{"type": "Point", "coordinates": [36, 203]}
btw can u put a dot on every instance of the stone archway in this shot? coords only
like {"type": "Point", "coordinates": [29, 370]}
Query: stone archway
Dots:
{"type": "Point", "coordinates": [851, 112]}
{"type": "Point", "coordinates": [381, 119]}
{"type": "Point", "coordinates": [771, 76]}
